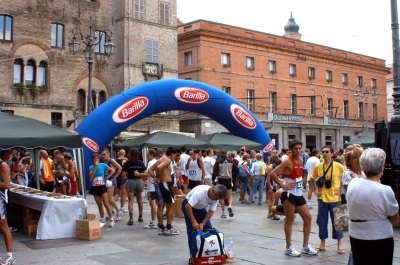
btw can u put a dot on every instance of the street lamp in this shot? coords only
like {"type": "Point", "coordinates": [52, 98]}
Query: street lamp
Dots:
{"type": "Point", "coordinates": [90, 41]}
{"type": "Point", "coordinates": [364, 89]}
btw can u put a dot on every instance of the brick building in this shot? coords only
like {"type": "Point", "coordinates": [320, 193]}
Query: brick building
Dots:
{"type": "Point", "coordinates": [34, 37]}
{"type": "Point", "coordinates": [298, 90]}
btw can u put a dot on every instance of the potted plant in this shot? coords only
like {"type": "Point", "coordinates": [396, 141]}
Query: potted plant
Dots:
{"type": "Point", "coordinates": [34, 90]}
{"type": "Point", "coordinates": [43, 89]}
{"type": "Point", "coordinates": [20, 89]}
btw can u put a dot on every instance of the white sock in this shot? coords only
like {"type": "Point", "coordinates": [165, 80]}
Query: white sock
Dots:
{"type": "Point", "coordinates": [229, 206]}
{"type": "Point", "coordinates": [111, 219]}
{"type": "Point", "coordinates": [9, 254]}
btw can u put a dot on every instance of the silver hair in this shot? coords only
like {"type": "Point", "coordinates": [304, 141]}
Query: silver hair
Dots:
{"type": "Point", "coordinates": [220, 191]}
{"type": "Point", "coordinates": [372, 161]}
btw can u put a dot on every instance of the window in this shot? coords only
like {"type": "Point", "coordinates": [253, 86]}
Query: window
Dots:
{"type": "Point", "coordinates": [151, 51]}
{"type": "Point", "coordinates": [139, 9]}
{"type": "Point", "coordinates": [102, 97]}
{"type": "Point", "coordinates": [272, 101]}
{"type": "Point", "coordinates": [272, 66]}
{"type": "Point", "coordinates": [359, 80]}
{"type": "Point", "coordinates": [373, 82]}
{"type": "Point", "coordinates": [328, 76]}
{"type": "Point", "coordinates": [164, 14]}
{"type": "Point", "coordinates": [249, 62]}
{"type": "Point", "coordinates": [188, 58]}
{"type": "Point", "coordinates": [345, 79]}
{"type": "Point", "coordinates": [330, 107]}
{"type": "Point", "coordinates": [56, 119]}
{"type": "Point", "coordinates": [5, 27]}
{"type": "Point", "coordinates": [100, 35]}
{"type": "Point", "coordinates": [291, 137]}
{"type": "Point", "coordinates": [360, 110]}
{"type": "Point", "coordinates": [30, 73]}
{"type": "Point", "coordinates": [42, 74]}
{"type": "Point", "coordinates": [292, 69]}
{"type": "Point", "coordinates": [311, 73]}
{"type": "Point", "coordinates": [225, 59]}
{"type": "Point", "coordinates": [57, 35]}
{"type": "Point", "coordinates": [312, 105]}
{"type": "Point", "coordinates": [293, 103]}
{"type": "Point", "coordinates": [80, 101]}
{"type": "Point", "coordinates": [17, 71]}
{"type": "Point", "coordinates": [226, 89]}
{"type": "Point", "coordinates": [250, 99]}
{"type": "Point", "coordinates": [328, 140]}
{"type": "Point", "coordinates": [374, 112]}
{"type": "Point", "coordinates": [346, 109]}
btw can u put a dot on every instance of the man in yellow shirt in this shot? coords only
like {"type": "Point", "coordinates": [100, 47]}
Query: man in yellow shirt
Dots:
{"type": "Point", "coordinates": [328, 196]}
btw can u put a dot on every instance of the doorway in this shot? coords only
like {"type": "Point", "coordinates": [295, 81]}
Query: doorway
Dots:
{"type": "Point", "coordinates": [311, 142]}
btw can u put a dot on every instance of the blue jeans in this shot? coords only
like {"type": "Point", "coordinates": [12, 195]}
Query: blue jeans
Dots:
{"type": "Point", "coordinates": [199, 215]}
{"type": "Point", "coordinates": [322, 220]}
{"type": "Point", "coordinates": [258, 181]}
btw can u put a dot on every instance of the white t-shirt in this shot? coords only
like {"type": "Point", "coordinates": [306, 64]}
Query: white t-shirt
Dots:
{"type": "Point", "coordinates": [256, 168]}
{"type": "Point", "coordinates": [150, 185]}
{"type": "Point", "coordinates": [184, 159]}
{"type": "Point", "coordinates": [374, 202]}
{"type": "Point", "coordinates": [198, 198]}
{"type": "Point", "coordinates": [284, 157]}
{"type": "Point", "coordinates": [311, 163]}
{"type": "Point", "coordinates": [208, 166]}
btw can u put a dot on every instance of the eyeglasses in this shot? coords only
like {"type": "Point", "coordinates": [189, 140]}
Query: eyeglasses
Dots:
{"type": "Point", "coordinates": [325, 152]}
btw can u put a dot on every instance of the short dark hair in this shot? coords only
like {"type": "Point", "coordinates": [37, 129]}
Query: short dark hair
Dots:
{"type": "Point", "coordinates": [330, 148]}
{"type": "Point", "coordinates": [152, 152]}
{"type": "Point", "coordinates": [68, 156]}
{"type": "Point", "coordinates": [183, 148]}
{"type": "Point", "coordinates": [314, 152]}
{"type": "Point", "coordinates": [295, 142]}
{"type": "Point", "coordinates": [170, 151]}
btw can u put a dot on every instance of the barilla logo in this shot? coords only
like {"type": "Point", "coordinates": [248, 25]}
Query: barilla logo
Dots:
{"type": "Point", "coordinates": [130, 109]}
{"type": "Point", "coordinates": [191, 95]}
{"type": "Point", "coordinates": [269, 147]}
{"type": "Point", "coordinates": [243, 117]}
{"type": "Point", "coordinates": [92, 145]}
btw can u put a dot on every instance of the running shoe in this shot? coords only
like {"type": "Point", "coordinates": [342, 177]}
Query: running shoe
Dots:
{"type": "Point", "coordinates": [102, 220]}
{"type": "Point", "coordinates": [12, 229]}
{"type": "Point", "coordinates": [170, 232]}
{"type": "Point", "coordinates": [230, 212]}
{"type": "Point", "coordinates": [112, 223]}
{"type": "Point", "coordinates": [269, 215]}
{"type": "Point", "coordinates": [107, 218]}
{"type": "Point", "coordinates": [119, 215]}
{"type": "Point", "coordinates": [292, 252]}
{"type": "Point", "coordinates": [246, 202]}
{"type": "Point", "coordinates": [223, 215]}
{"type": "Point", "coordinates": [8, 261]}
{"type": "Point", "coordinates": [275, 217]}
{"type": "Point", "coordinates": [161, 231]}
{"type": "Point", "coordinates": [130, 222]}
{"type": "Point", "coordinates": [308, 250]}
{"type": "Point", "coordinates": [151, 225]}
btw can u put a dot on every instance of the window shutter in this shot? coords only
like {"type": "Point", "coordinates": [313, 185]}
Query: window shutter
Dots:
{"type": "Point", "coordinates": [149, 51]}
{"type": "Point", "coordinates": [155, 51]}
{"type": "Point", "coordinates": [166, 15]}
{"type": "Point", "coordinates": [137, 7]}
{"type": "Point", "coordinates": [141, 10]}
{"type": "Point", "coordinates": [161, 13]}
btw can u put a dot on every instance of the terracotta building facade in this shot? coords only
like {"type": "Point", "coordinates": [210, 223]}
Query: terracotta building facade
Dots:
{"type": "Point", "coordinates": [298, 90]}
{"type": "Point", "coordinates": [40, 78]}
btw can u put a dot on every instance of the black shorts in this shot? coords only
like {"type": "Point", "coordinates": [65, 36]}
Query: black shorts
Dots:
{"type": "Point", "coordinates": [226, 182]}
{"type": "Point", "coordinates": [193, 184]}
{"type": "Point", "coordinates": [98, 190]}
{"type": "Point", "coordinates": [119, 181]}
{"type": "Point", "coordinates": [280, 209]}
{"type": "Point", "coordinates": [151, 195]}
{"type": "Point", "coordinates": [167, 192]}
{"type": "Point", "coordinates": [295, 200]}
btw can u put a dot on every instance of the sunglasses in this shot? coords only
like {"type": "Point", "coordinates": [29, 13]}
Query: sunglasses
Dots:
{"type": "Point", "coordinates": [325, 152]}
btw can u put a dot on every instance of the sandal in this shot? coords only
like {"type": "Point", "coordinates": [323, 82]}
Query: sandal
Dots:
{"type": "Point", "coordinates": [320, 249]}
{"type": "Point", "coordinates": [190, 262]}
{"type": "Point", "coordinates": [341, 251]}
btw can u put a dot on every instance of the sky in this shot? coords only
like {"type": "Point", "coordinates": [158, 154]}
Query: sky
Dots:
{"type": "Point", "coordinates": [360, 26]}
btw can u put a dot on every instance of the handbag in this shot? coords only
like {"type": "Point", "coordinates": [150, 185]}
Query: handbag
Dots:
{"type": "Point", "coordinates": [341, 218]}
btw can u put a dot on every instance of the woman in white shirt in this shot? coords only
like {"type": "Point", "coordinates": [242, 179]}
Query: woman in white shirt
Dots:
{"type": "Point", "coordinates": [258, 169]}
{"type": "Point", "coordinates": [372, 207]}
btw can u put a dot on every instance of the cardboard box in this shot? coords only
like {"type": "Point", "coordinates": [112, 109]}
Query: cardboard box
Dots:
{"type": "Point", "coordinates": [30, 226]}
{"type": "Point", "coordinates": [210, 260]}
{"type": "Point", "coordinates": [88, 229]}
{"type": "Point", "coordinates": [31, 213]}
{"type": "Point", "coordinates": [178, 205]}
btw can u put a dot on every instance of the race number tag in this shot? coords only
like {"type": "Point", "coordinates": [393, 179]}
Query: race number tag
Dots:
{"type": "Point", "coordinates": [192, 172]}
{"type": "Point", "coordinates": [299, 183]}
{"type": "Point", "coordinates": [98, 181]}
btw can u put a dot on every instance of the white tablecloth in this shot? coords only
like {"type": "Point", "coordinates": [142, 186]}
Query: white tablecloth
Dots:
{"type": "Point", "coordinates": [58, 218]}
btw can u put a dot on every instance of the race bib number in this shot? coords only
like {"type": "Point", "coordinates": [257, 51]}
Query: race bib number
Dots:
{"type": "Point", "coordinates": [98, 181]}
{"type": "Point", "coordinates": [192, 172]}
{"type": "Point", "coordinates": [299, 183]}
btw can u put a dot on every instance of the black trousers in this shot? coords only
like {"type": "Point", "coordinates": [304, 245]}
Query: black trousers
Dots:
{"type": "Point", "coordinates": [48, 186]}
{"type": "Point", "coordinates": [372, 252]}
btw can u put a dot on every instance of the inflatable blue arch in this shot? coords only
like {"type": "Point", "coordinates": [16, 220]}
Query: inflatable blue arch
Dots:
{"type": "Point", "coordinates": [141, 101]}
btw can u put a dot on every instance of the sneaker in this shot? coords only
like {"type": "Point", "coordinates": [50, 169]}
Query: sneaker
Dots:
{"type": "Point", "coordinates": [140, 219]}
{"type": "Point", "coordinates": [223, 215]}
{"type": "Point", "coordinates": [246, 202]}
{"type": "Point", "coordinates": [12, 229]}
{"type": "Point", "coordinates": [170, 232]}
{"type": "Point", "coordinates": [230, 212]}
{"type": "Point", "coordinates": [259, 203]}
{"type": "Point", "coordinates": [119, 215]}
{"type": "Point", "coordinates": [161, 231]}
{"type": "Point", "coordinates": [255, 197]}
{"type": "Point", "coordinates": [292, 252]}
{"type": "Point", "coordinates": [8, 261]}
{"type": "Point", "coordinates": [311, 207]}
{"type": "Point", "coordinates": [275, 217]}
{"type": "Point", "coordinates": [112, 223]}
{"type": "Point", "coordinates": [130, 222]}
{"type": "Point", "coordinates": [309, 251]}
{"type": "Point", "coordinates": [102, 220]}
{"type": "Point", "coordinates": [151, 225]}
{"type": "Point", "coordinates": [107, 218]}
{"type": "Point", "coordinates": [269, 215]}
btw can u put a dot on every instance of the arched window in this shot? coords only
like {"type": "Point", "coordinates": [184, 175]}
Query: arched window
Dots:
{"type": "Point", "coordinates": [30, 73]}
{"type": "Point", "coordinates": [57, 35]}
{"type": "Point", "coordinates": [80, 101]}
{"type": "Point", "coordinates": [18, 71]}
{"type": "Point", "coordinates": [102, 97]}
{"type": "Point", "coordinates": [42, 74]}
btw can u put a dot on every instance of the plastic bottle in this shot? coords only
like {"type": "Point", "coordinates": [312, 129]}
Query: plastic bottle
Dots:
{"type": "Point", "coordinates": [231, 256]}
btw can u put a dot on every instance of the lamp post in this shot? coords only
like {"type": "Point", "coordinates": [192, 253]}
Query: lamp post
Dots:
{"type": "Point", "coordinates": [364, 89]}
{"type": "Point", "coordinates": [91, 40]}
